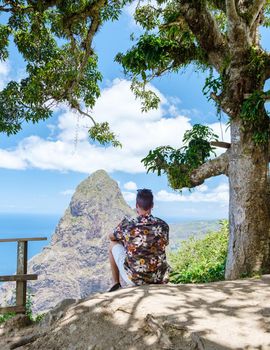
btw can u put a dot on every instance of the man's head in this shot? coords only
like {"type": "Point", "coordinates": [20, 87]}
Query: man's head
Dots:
{"type": "Point", "coordinates": [144, 201]}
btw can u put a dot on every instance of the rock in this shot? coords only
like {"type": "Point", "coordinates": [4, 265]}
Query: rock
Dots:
{"type": "Point", "coordinates": [56, 313]}
{"type": "Point", "coordinates": [17, 322]}
{"type": "Point", "coordinates": [75, 264]}
{"type": "Point", "coordinates": [210, 316]}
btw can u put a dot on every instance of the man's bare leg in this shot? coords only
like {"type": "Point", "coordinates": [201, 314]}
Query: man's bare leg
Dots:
{"type": "Point", "coordinates": [114, 268]}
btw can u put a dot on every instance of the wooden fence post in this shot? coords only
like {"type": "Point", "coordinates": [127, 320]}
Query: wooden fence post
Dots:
{"type": "Point", "coordinates": [21, 277]}
{"type": "Point", "coordinates": [21, 270]}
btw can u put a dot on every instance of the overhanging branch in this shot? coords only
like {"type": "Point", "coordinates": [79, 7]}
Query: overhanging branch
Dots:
{"type": "Point", "coordinates": [5, 9]}
{"type": "Point", "coordinates": [231, 10]}
{"type": "Point", "coordinates": [214, 167]}
{"type": "Point", "coordinates": [182, 55]}
{"type": "Point", "coordinates": [254, 11]}
{"type": "Point", "coordinates": [204, 26]}
{"type": "Point", "coordinates": [94, 13]}
{"type": "Point", "coordinates": [267, 66]}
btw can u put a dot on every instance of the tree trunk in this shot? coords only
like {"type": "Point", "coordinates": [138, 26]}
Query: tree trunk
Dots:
{"type": "Point", "coordinates": [249, 212]}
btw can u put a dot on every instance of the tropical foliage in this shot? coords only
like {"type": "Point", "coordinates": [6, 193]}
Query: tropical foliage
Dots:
{"type": "Point", "coordinates": [201, 260]}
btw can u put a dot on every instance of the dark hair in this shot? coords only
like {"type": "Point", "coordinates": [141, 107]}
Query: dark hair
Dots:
{"type": "Point", "coordinates": [144, 199]}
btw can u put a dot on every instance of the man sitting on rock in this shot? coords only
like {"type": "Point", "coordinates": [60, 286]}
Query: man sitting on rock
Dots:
{"type": "Point", "coordinates": [137, 248]}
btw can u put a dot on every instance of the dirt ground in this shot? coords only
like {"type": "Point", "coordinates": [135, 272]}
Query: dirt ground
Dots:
{"type": "Point", "coordinates": [222, 315]}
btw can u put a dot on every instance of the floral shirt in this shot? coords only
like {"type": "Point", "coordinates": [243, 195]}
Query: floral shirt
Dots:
{"type": "Point", "coordinates": [144, 239]}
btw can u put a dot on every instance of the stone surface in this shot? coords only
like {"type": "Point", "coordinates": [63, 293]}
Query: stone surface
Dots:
{"type": "Point", "coordinates": [230, 315]}
{"type": "Point", "coordinates": [56, 313]}
{"type": "Point", "coordinates": [75, 264]}
{"type": "Point", "coordinates": [16, 322]}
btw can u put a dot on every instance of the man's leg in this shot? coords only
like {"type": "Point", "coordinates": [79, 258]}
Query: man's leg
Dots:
{"type": "Point", "coordinates": [114, 268]}
{"type": "Point", "coordinates": [117, 259]}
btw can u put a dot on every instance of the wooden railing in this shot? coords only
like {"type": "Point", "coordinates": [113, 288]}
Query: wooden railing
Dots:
{"type": "Point", "coordinates": [21, 277]}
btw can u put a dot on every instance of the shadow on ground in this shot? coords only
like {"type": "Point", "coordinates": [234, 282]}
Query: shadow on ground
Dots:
{"type": "Point", "coordinates": [222, 316]}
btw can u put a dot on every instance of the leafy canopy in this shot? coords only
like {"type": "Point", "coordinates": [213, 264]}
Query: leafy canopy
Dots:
{"type": "Point", "coordinates": [175, 36]}
{"type": "Point", "coordinates": [178, 164]}
{"type": "Point", "coordinates": [54, 38]}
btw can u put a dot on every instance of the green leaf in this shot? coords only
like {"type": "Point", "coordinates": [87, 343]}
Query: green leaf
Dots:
{"type": "Point", "coordinates": [178, 164]}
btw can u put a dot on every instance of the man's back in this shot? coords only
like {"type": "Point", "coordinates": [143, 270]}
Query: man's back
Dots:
{"type": "Point", "coordinates": [145, 239]}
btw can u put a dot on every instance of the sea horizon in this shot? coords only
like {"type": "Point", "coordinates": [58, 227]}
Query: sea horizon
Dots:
{"type": "Point", "coordinates": [14, 225]}
{"type": "Point", "coordinates": [17, 225]}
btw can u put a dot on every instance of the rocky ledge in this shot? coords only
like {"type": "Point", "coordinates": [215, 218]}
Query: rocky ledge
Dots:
{"type": "Point", "coordinates": [214, 316]}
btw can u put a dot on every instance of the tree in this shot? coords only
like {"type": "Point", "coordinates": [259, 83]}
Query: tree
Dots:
{"type": "Point", "coordinates": [215, 35]}
{"type": "Point", "coordinates": [54, 37]}
{"type": "Point", "coordinates": [222, 36]}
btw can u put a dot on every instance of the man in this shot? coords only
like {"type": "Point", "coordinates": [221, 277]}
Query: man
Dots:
{"type": "Point", "coordinates": [137, 247]}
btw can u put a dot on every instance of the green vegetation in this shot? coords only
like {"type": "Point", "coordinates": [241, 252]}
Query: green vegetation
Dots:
{"type": "Point", "coordinates": [54, 39]}
{"type": "Point", "coordinates": [29, 312]}
{"type": "Point", "coordinates": [7, 316]}
{"type": "Point", "coordinates": [201, 260]}
{"type": "Point", "coordinates": [178, 164]}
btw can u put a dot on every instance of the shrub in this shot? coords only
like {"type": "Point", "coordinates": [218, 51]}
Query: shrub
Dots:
{"type": "Point", "coordinates": [7, 316]}
{"type": "Point", "coordinates": [201, 260]}
{"type": "Point", "coordinates": [29, 312]}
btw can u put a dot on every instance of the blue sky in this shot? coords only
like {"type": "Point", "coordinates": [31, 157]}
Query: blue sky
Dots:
{"type": "Point", "coordinates": [41, 166]}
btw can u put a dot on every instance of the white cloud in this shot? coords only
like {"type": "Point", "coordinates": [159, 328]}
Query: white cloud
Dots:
{"type": "Point", "coordinates": [223, 132]}
{"type": "Point", "coordinates": [68, 148]}
{"type": "Point", "coordinates": [131, 8]}
{"type": "Point", "coordinates": [218, 194]}
{"type": "Point", "coordinates": [4, 68]}
{"type": "Point", "coordinates": [130, 186]}
{"type": "Point", "coordinates": [4, 72]}
{"type": "Point", "coordinates": [129, 196]}
{"type": "Point", "coordinates": [11, 160]}
{"type": "Point", "coordinates": [137, 132]}
{"type": "Point", "coordinates": [67, 192]}
{"type": "Point", "coordinates": [202, 188]}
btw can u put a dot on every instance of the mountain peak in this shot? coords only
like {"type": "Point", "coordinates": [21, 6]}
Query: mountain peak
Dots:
{"type": "Point", "coordinates": [98, 181]}
{"type": "Point", "coordinates": [99, 194]}
{"type": "Point", "coordinates": [100, 173]}
{"type": "Point", "coordinates": [98, 176]}
{"type": "Point", "coordinates": [75, 263]}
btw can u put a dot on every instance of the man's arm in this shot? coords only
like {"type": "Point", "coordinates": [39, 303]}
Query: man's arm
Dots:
{"type": "Point", "coordinates": [117, 234]}
{"type": "Point", "coordinates": [166, 233]}
{"type": "Point", "coordinates": [112, 237]}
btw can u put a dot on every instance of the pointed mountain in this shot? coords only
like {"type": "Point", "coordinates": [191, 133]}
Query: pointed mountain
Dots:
{"type": "Point", "coordinates": [75, 264]}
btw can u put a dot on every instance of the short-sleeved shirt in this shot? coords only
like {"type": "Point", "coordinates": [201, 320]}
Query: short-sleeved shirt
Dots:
{"type": "Point", "coordinates": [145, 239]}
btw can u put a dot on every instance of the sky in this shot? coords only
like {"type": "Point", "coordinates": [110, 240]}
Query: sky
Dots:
{"type": "Point", "coordinates": [42, 165]}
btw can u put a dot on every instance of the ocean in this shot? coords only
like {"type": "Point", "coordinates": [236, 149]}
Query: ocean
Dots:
{"type": "Point", "coordinates": [23, 225]}
{"type": "Point", "coordinates": [26, 225]}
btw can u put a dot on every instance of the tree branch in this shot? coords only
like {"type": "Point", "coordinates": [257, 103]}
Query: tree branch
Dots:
{"type": "Point", "coordinates": [231, 10]}
{"type": "Point", "coordinates": [222, 103]}
{"type": "Point", "coordinates": [254, 11]}
{"type": "Point", "coordinates": [180, 56]}
{"type": "Point", "coordinates": [94, 12]}
{"type": "Point", "coordinates": [16, 7]}
{"type": "Point", "coordinates": [85, 114]}
{"type": "Point", "coordinates": [267, 67]}
{"type": "Point", "coordinates": [211, 168]}
{"type": "Point", "coordinates": [5, 9]}
{"type": "Point", "coordinates": [205, 28]}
